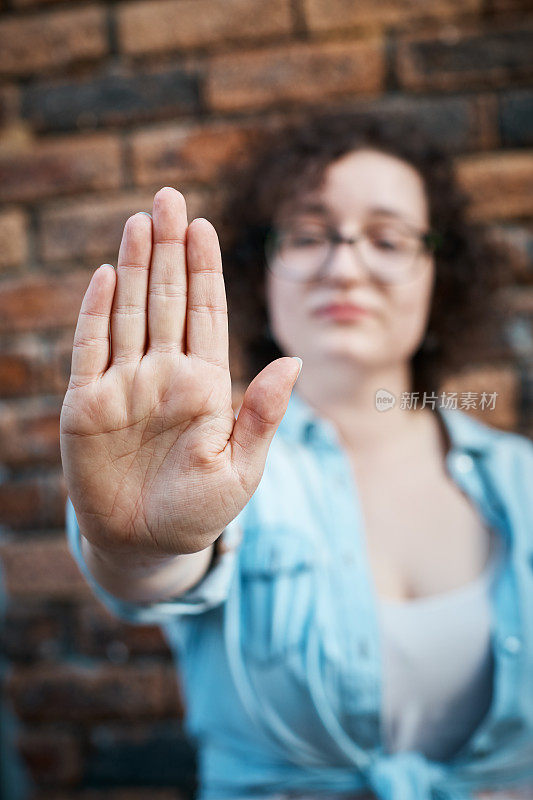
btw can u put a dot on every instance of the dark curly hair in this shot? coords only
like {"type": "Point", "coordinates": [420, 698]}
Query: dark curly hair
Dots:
{"type": "Point", "coordinates": [466, 315]}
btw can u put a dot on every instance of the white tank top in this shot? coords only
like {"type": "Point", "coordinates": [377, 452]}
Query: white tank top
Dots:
{"type": "Point", "coordinates": [438, 665]}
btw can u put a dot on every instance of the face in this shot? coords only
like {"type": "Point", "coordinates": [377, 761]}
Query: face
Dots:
{"type": "Point", "coordinates": [363, 190]}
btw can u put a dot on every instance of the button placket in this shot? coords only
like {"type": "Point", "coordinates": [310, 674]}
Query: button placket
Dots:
{"type": "Point", "coordinates": [477, 487]}
{"type": "Point", "coordinates": [464, 463]}
{"type": "Point", "coordinates": [347, 585]}
{"type": "Point", "coordinates": [360, 681]}
{"type": "Point", "coordinates": [512, 645]}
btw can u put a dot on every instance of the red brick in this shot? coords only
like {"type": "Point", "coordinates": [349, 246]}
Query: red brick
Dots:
{"type": "Point", "coordinates": [28, 3]}
{"type": "Point", "coordinates": [33, 630]}
{"type": "Point", "coordinates": [298, 72]}
{"type": "Point", "coordinates": [76, 693]}
{"type": "Point", "coordinates": [162, 25]}
{"type": "Point", "coordinates": [503, 380]}
{"type": "Point", "coordinates": [519, 237]}
{"type": "Point", "coordinates": [42, 567]}
{"type": "Point", "coordinates": [92, 228]}
{"type": "Point", "coordinates": [33, 502]}
{"type": "Point", "coordinates": [326, 15]}
{"type": "Point", "coordinates": [13, 238]}
{"type": "Point", "coordinates": [50, 40]}
{"type": "Point", "coordinates": [15, 373]}
{"type": "Point", "coordinates": [29, 431]}
{"type": "Point", "coordinates": [181, 153]}
{"type": "Point", "coordinates": [516, 117]}
{"type": "Point", "coordinates": [30, 366]}
{"type": "Point", "coordinates": [52, 755]}
{"type": "Point", "coordinates": [465, 57]}
{"type": "Point", "coordinates": [18, 367]}
{"type": "Point", "coordinates": [116, 95]}
{"type": "Point", "coordinates": [458, 124]}
{"type": "Point", "coordinates": [32, 170]}
{"type": "Point", "coordinates": [89, 228]}
{"type": "Point", "coordinates": [485, 113]}
{"type": "Point", "coordinates": [99, 633]}
{"type": "Point", "coordinates": [519, 299]}
{"type": "Point", "coordinates": [9, 105]}
{"type": "Point", "coordinates": [40, 302]}
{"type": "Point", "coordinates": [508, 6]}
{"type": "Point", "coordinates": [499, 185]}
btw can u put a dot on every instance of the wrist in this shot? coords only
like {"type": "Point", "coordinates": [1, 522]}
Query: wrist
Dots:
{"type": "Point", "coordinates": [123, 562]}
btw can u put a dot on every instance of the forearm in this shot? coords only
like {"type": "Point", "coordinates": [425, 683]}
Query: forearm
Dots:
{"type": "Point", "coordinates": [146, 580]}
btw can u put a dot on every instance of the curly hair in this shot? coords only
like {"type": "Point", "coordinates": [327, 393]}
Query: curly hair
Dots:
{"type": "Point", "coordinates": [466, 315]}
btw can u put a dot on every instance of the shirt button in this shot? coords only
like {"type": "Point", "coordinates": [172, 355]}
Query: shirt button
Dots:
{"type": "Point", "coordinates": [512, 644]}
{"type": "Point", "coordinates": [464, 463]}
{"type": "Point", "coordinates": [483, 745]}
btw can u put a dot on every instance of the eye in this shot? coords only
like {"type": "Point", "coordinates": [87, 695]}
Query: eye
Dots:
{"type": "Point", "coordinates": [305, 237]}
{"type": "Point", "coordinates": [383, 241]}
{"type": "Point", "coordinates": [384, 244]}
{"type": "Point", "coordinates": [388, 239]}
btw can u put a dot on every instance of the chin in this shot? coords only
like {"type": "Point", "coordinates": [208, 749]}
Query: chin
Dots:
{"type": "Point", "coordinates": [364, 355]}
{"type": "Point", "coordinates": [348, 340]}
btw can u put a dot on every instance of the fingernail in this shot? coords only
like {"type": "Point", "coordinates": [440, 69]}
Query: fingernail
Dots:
{"type": "Point", "coordinates": [147, 214]}
{"type": "Point", "coordinates": [107, 265]}
{"type": "Point", "coordinates": [297, 358]}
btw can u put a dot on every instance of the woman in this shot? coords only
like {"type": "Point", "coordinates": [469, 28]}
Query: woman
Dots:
{"type": "Point", "coordinates": [364, 625]}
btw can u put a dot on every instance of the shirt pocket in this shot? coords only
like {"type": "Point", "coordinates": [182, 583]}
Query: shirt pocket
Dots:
{"type": "Point", "coordinates": [278, 573]}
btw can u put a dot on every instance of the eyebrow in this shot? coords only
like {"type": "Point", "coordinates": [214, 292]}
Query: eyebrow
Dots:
{"type": "Point", "coordinates": [311, 207]}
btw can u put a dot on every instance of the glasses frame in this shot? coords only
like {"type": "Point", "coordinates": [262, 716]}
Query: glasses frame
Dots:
{"type": "Point", "coordinates": [429, 241]}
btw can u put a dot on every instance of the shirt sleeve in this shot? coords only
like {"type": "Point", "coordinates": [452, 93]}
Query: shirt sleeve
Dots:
{"type": "Point", "coordinates": [209, 592]}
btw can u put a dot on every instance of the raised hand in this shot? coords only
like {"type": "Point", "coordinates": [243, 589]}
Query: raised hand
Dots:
{"type": "Point", "coordinates": [154, 460]}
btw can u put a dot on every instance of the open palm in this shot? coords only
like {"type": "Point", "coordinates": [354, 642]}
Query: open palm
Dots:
{"type": "Point", "coordinates": [154, 460]}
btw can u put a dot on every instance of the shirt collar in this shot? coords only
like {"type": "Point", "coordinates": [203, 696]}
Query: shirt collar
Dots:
{"type": "Point", "coordinates": [467, 433]}
{"type": "Point", "coordinates": [301, 423]}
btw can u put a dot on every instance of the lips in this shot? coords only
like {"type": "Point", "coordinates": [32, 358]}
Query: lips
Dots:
{"type": "Point", "coordinates": [342, 311]}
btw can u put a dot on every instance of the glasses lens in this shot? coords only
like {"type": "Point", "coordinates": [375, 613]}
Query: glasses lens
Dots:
{"type": "Point", "coordinates": [389, 251]}
{"type": "Point", "coordinates": [300, 251]}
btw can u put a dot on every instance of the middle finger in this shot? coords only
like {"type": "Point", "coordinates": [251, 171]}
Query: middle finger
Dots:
{"type": "Point", "coordinates": [167, 289]}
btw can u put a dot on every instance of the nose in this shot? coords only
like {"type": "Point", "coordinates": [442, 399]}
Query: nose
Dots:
{"type": "Point", "coordinates": [345, 263]}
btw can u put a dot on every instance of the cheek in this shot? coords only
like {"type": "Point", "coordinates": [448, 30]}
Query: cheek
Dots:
{"type": "Point", "coordinates": [284, 305]}
{"type": "Point", "coordinates": [410, 306]}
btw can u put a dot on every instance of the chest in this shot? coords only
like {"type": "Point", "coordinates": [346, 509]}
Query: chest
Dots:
{"type": "Point", "coordinates": [423, 536]}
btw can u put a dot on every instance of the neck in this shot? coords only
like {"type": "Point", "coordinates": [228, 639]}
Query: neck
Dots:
{"type": "Point", "coordinates": [347, 398]}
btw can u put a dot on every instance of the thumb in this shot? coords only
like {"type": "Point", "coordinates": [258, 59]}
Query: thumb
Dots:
{"type": "Point", "coordinates": [263, 407]}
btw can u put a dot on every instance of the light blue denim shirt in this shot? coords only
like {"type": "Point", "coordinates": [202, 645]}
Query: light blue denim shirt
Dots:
{"type": "Point", "coordinates": [278, 646]}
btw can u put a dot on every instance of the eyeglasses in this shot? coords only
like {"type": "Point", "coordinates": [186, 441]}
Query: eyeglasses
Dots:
{"type": "Point", "coordinates": [389, 250]}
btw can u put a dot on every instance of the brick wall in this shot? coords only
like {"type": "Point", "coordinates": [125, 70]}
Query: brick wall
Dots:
{"type": "Point", "coordinates": [102, 103]}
